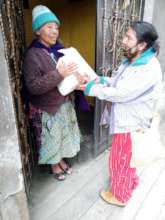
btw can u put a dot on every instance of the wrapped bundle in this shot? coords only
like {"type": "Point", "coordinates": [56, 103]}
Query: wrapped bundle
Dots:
{"type": "Point", "coordinates": [70, 82]}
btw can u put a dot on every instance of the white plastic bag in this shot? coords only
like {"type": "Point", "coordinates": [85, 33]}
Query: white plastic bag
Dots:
{"type": "Point", "coordinates": [147, 146]}
{"type": "Point", "coordinates": [70, 82]}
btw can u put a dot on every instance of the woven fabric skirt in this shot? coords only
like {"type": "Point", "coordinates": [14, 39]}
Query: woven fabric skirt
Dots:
{"type": "Point", "coordinates": [60, 137]}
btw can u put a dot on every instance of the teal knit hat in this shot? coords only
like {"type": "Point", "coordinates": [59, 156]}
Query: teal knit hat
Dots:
{"type": "Point", "coordinates": [42, 15]}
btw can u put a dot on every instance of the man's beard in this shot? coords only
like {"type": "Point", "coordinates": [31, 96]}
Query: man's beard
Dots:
{"type": "Point", "coordinates": [130, 53]}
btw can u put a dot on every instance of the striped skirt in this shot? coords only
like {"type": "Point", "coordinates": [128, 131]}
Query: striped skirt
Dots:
{"type": "Point", "coordinates": [123, 178]}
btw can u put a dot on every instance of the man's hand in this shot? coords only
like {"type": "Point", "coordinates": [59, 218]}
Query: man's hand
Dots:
{"type": "Point", "coordinates": [96, 80]}
{"type": "Point", "coordinates": [83, 80]}
{"type": "Point", "coordinates": [81, 87]}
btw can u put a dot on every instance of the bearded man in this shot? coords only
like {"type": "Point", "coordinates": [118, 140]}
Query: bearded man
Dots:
{"type": "Point", "coordinates": [133, 90]}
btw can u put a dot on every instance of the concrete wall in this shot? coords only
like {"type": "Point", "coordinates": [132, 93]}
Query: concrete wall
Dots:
{"type": "Point", "coordinates": [13, 204]}
{"type": "Point", "coordinates": [154, 13]}
{"type": "Point", "coordinates": [159, 21]}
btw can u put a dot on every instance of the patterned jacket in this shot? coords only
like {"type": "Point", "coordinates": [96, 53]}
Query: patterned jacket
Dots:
{"type": "Point", "coordinates": [41, 79]}
{"type": "Point", "coordinates": [133, 90]}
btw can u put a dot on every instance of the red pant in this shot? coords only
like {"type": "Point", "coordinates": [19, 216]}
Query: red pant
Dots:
{"type": "Point", "coordinates": [123, 178]}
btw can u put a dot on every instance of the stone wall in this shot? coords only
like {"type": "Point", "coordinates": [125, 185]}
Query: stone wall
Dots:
{"type": "Point", "coordinates": [13, 203]}
{"type": "Point", "coordinates": [154, 13]}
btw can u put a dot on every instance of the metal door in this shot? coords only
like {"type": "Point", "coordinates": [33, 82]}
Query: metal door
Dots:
{"type": "Point", "coordinates": [113, 18]}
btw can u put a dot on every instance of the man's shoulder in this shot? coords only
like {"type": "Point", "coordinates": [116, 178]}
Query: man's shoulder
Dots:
{"type": "Point", "coordinates": [154, 60]}
{"type": "Point", "coordinates": [153, 65]}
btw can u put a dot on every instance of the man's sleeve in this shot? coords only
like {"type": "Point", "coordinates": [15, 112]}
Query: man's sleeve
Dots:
{"type": "Point", "coordinates": [126, 89]}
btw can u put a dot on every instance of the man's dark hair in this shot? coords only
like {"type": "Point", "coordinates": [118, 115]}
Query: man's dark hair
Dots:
{"type": "Point", "coordinates": [146, 32]}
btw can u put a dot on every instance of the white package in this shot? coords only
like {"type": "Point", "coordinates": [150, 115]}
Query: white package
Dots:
{"type": "Point", "coordinates": [70, 82]}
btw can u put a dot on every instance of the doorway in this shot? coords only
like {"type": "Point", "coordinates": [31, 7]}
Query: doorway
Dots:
{"type": "Point", "coordinates": [78, 29]}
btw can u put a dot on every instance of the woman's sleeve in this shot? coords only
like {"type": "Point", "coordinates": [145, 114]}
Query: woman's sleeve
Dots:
{"type": "Point", "coordinates": [36, 81]}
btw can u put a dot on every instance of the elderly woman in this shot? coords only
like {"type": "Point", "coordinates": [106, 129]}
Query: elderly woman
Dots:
{"type": "Point", "coordinates": [53, 115]}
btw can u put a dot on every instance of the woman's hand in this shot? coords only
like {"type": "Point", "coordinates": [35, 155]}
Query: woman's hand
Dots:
{"type": "Point", "coordinates": [66, 69]}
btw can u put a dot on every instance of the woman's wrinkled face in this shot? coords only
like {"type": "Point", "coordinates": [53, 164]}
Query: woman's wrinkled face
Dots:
{"type": "Point", "coordinates": [48, 34]}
